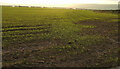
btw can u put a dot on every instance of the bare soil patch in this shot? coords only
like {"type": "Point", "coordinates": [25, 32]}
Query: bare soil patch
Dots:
{"type": "Point", "coordinates": [96, 55]}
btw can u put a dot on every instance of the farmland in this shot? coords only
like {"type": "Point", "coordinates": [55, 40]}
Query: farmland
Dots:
{"type": "Point", "coordinates": [57, 37]}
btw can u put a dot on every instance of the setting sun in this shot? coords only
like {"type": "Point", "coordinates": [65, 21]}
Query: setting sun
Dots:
{"type": "Point", "coordinates": [56, 2]}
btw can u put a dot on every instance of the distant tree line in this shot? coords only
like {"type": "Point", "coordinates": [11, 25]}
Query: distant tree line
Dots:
{"type": "Point", "coordinates": [108, 11]}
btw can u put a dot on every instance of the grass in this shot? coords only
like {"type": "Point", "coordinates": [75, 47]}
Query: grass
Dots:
{"type": "Point", "coordinates": [60, 19]}
{"type": "Point", "coordinates": [27, 28]}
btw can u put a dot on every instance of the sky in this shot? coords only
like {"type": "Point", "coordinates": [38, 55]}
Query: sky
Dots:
{"type": "Point", "coordinates": [55, 2]}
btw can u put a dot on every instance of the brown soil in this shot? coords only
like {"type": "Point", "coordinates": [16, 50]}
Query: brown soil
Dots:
{"type": "Point", "coordinates": [99, 53]}
{"type": "Point", "coordinates": [95, 55]}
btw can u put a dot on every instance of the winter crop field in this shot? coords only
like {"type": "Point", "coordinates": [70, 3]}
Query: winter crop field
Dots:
{"type": "Point", "coordinates": [56, 37]}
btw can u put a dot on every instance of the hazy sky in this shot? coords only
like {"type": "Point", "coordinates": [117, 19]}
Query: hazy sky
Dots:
{"type": "Point", "coordinates": [56, 2]}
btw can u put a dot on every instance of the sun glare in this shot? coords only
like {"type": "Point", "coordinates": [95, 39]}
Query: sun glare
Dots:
{"type": "Point", "coordinates": [55, 2]}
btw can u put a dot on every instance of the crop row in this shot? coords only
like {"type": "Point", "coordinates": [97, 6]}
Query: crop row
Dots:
{"type": "Point", "coordinates": [12, 33]}
{"type": "Point", "coordinates": [24, 31]}
{"type": "Point", "coordinates": [17, 26]}
{"type": "Point", "coordinates": [25, 27]}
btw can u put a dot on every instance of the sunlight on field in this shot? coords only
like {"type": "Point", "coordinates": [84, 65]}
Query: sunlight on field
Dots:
{"type": "Point", "coordinates": [63, 32]}
{"type": "Point", "coordinates": [29, 23]}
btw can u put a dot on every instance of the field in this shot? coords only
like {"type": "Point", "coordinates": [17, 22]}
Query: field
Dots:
{"type": "Point", "coordinates": [52, 37]}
